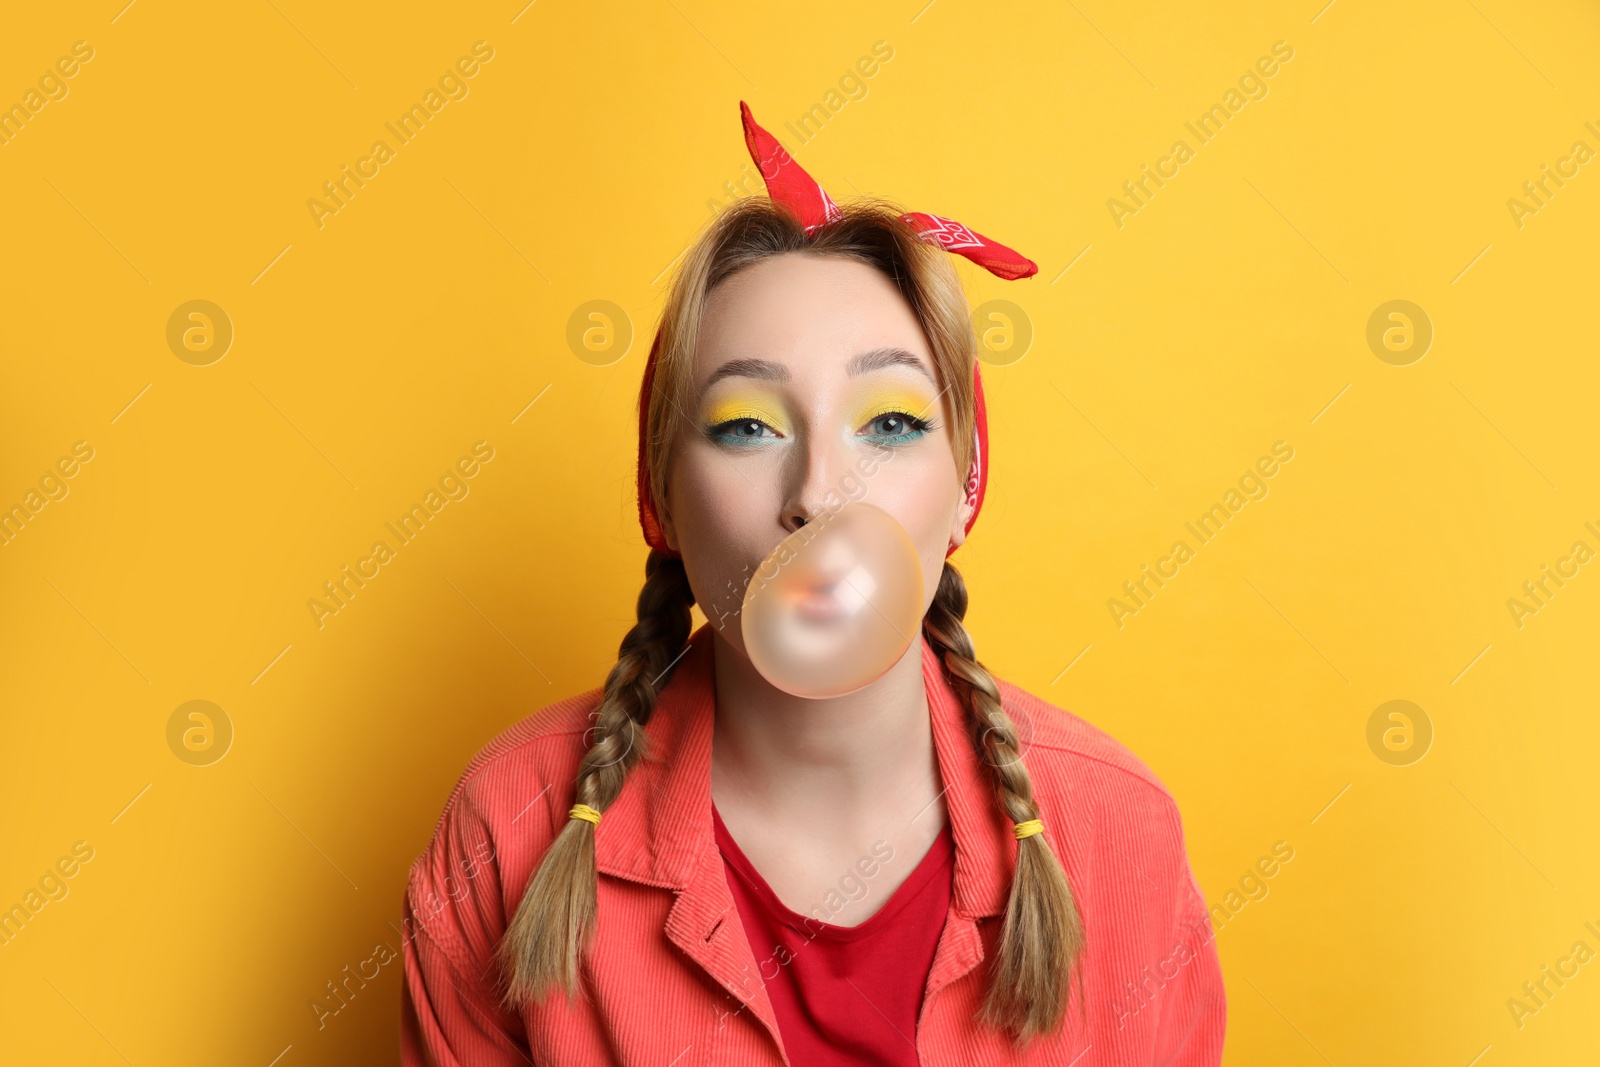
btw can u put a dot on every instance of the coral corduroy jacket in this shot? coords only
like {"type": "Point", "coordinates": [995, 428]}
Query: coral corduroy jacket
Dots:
{"type": "Point", "coordinates": [670, 977]}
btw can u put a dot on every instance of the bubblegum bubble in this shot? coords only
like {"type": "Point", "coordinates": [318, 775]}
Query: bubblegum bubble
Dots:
{"type": "Point", "coordinates": [836, 604]}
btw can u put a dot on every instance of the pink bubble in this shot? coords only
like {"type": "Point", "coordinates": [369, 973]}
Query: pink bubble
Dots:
{"type": "Point", "coordinates": [836, 604]}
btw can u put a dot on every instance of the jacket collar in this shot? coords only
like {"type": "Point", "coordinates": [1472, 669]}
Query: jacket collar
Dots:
{"type": "Point", "coordinates": [659, 831]}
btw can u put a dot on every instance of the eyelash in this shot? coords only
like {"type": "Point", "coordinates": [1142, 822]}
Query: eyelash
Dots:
{"type": "Point", "coordinates": [919, 428]}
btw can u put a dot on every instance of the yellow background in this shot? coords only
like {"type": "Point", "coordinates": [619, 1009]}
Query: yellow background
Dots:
{"type": "Point", "coordinates": [369, 354]}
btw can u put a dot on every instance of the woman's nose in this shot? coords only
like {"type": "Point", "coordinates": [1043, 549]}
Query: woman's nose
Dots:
{"type": "Point", "coordinates": [814, 479]}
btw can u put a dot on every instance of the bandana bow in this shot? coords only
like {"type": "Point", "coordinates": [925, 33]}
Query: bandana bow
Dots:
{"type": "Point", "coordinates": [789, 184]}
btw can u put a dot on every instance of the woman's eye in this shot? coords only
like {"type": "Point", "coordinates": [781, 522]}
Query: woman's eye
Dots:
{"type": "Point", "coordinates": [897, 426]}
{"type": "Point", "coordinates": [740, 431]}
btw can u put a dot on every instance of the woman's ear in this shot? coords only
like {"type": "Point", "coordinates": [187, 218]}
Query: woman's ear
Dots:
{"type": "Point", "coordinates": [958, 529]}
{"type": "Point", "coordinates": [668, 532]}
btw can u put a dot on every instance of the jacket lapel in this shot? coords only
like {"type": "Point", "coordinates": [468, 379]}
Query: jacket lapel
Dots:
{"type": "Point", "coordinates": [658, 831]}
{"type": "Point", "coordinates": [981, 828]}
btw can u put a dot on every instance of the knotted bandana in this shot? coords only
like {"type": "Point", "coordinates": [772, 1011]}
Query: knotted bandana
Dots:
{"type": "Point", "coordinates": [789, 184]}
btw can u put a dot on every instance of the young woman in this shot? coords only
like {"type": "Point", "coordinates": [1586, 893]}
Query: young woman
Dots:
{"type": "Point", "coordinates": [690, 865]}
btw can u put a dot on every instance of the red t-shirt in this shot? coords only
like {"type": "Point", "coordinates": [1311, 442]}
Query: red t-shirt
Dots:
{"type": "Point", "coordinates": [846, 995]}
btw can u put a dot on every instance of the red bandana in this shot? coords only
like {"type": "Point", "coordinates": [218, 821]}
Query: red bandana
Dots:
{"type": "Point", "coordinates": [789, 184]}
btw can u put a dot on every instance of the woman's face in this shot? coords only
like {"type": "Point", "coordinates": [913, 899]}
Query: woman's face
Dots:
{"type": "Point", "coordinates": [813, 385]}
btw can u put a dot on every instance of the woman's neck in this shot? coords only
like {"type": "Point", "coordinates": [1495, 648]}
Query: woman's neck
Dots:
{"type": "Point", "coordinates": [800, 759]}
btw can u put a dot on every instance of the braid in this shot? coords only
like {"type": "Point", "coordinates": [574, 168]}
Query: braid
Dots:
{"type": "Point", "coordinates": [1042, 939]}
{"type": "Point", "coordinates": [556, 917]}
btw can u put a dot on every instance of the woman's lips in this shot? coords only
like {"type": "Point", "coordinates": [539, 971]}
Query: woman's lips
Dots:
{"type": "Point", "coordinates": [820, 602]}
{"type": "Point", "coordinates": [835, 594]}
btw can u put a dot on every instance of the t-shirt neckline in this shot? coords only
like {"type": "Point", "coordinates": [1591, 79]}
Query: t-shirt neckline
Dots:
{"type": "Point", "coordinates": [932, 865]}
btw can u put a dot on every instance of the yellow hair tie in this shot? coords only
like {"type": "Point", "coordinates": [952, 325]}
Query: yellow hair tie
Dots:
{"type": "Point", "coordinates": [584, 812]}
{"type": "Point", "coordinates": [1019, 830]}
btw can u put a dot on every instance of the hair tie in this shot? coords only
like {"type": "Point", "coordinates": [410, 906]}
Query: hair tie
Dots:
{"type": "Point", "coordinates": [1019, 830]}
{"type": "Point", "coordinates": [584, 812]}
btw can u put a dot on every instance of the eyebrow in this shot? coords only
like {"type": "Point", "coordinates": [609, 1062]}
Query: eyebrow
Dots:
{"type": "Point", "coordinates": [876, 359]}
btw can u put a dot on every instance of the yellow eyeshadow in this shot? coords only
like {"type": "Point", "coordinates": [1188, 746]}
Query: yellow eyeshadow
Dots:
{"type": "Point", "coordinates": [884, 401]}
{"type": "Point", "coordinates": [746, 408]}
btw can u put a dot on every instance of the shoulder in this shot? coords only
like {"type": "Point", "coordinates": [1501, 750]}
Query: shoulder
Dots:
{"type": "Point", "coordinates": [519, 762]}
{"type": "Point", "coordinates": [1095, 780]}
{"type": "Point", "coordinates": [1079, 749]}
{"type": "Point", "coordinates": [498, 819]}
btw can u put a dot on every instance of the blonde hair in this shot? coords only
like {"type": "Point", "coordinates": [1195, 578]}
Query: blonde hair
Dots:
{"type": "Point", "coordinates": [1042, 940]}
